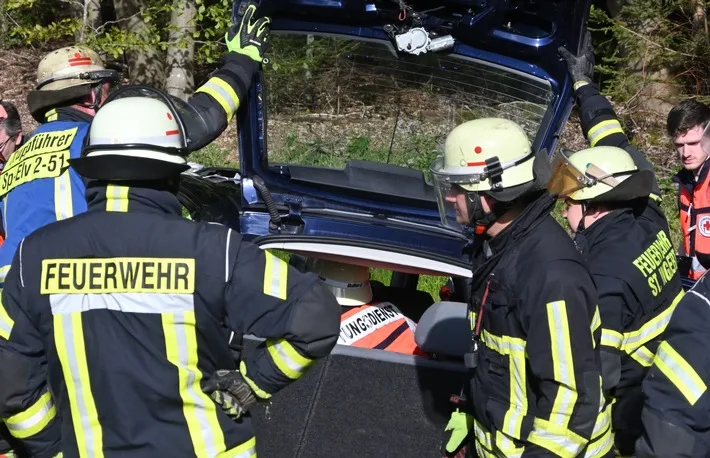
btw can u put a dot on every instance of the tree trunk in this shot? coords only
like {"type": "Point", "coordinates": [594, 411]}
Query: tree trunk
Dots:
{"type": "Point", "coordinates": [4, 26]}
{"type": "Point", "coordinates": [656, 89]}
{"type": "Point", "coordinates": [145, 62]}
{"type": "Point", "coordinates": [179, 61]}
{"type": "Point", "coordinates": [90, 19]}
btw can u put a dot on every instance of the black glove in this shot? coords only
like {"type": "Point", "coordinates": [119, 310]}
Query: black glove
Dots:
{"type": "Point", "coordinates": [249, 38]}
{"type": "Point", "coordinates": [581, 68]}
{"type": "Point", "coordinates": [231, 392]}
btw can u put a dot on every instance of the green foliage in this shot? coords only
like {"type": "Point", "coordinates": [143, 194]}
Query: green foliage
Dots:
{"type": "Point", "coordinates": [213, 156]}
{"type": "Point", "coordinates": [652, 41]}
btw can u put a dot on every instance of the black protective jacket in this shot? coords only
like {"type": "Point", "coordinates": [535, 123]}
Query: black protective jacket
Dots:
{"type": "Point", "coordinates": [126, 308]}
{"type": "Point", "coordinates": [636, 274]}
{"type": "Point", "coordinates": [536, 388]}
{"type": "Point", "coordinates": [676, 412]}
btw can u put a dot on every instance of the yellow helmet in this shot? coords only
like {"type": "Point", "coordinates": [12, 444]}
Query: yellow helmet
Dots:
{"type": "Point", "coordinates": [349, 284]}
{"type": "Point", "coordinates": [491, 155]}
{"type": "Point", "coordinates": [599, 174]}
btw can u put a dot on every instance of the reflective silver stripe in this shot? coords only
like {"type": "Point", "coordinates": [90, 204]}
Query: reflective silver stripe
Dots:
{"type": "Point", "coordinates": [34, 419]}
{"type": "Point", "coordinates": [700, 296]}
{"type": "Point", "coordinates": [116, 198]}
{"type": "Point", "coordinates": [63, 304]}
{"type": "Point", "coordinates": [71, 344]}
{"type": "Point", "coordinates": [275, 276]}
{"type": "Point", "coordinates": [611, 338]}
{"type": "Point", "coordinates": [228, 98]}
{"type": "Point", "coordinates": [62, 196]}
{"type": "Point", "coordinates": [562, 363]}
{"type": "Point", "coordinates": [603, 129]}
{"type": "Point", "coordinates": [200, 408]}
{"type": "Point", "coordinates": [226, 257]}
{"type": "Point", "coordinates": [653, 328]}
{"type": "Point", "coordinates": [679, 372]}
{"type": "Point", "coordinates": [245, 450]}
{"type": "Point", "coordinates": [643, 356]}
{"type": "Point", "coordinates": [291, 363]}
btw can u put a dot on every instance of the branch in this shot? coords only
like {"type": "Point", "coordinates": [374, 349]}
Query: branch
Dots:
{"type": "Point", "coordinates": [656, 44]}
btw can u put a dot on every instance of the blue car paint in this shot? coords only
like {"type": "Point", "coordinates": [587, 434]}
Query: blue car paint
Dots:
{"type": "Point", "coordinates": [503, 48]}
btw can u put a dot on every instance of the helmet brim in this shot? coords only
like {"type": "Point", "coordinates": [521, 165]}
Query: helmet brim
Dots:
{"type": "Point", "coordinates": [124, 168]}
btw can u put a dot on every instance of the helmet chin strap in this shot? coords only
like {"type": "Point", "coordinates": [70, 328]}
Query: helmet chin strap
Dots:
{"type": "Point", "coordinates": [478, 218]}
{"type": "Point", "coordinates": [581, 225]}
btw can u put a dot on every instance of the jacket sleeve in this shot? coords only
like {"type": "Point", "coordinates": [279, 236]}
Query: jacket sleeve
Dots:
{"type": "Point", "coordinates": [563, 365]}
{"type": "Point", "coordinates": [613, 294]}
{"type": "Point", "coordinates": [675, 414]}
{"type": "Point", "coordinates": [298, 317]}
{"type": "Point", "coordinates": [219, 98]}
{"type": "Point", "coordinates": [26, 405]}
{"type": "Point", "coordinates": [601, 127]}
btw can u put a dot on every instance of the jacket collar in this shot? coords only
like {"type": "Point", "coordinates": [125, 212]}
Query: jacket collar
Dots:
{"type": "Point", "coordinates": [604, 229]}
{"type": "Point", "coordinates": [131, 198]}
{"type": "Point", "coordinates": [68, 114]}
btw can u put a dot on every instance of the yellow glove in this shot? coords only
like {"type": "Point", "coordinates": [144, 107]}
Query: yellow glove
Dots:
{"type": "Point", "coordinates": [249, 38]}
{"type": "Point", "coordinates": [460, 424]}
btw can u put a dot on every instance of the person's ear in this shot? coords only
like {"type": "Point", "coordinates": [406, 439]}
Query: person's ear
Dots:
{"type": "Point", "coordinates": [18, 139]}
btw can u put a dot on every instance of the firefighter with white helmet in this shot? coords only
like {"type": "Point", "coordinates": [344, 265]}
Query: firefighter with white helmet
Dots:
{"type": "Point", "coordinates": [534, 358]}
{"type": "Point", "coordinates": [125, 325]}
{"type": "Point", "coordinates": [633, 264]}
{"type": "Point", "coordinates": [38, 187]}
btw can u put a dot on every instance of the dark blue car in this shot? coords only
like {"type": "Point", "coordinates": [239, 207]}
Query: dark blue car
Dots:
{"type": "Point", "coordinates": [334, 152]}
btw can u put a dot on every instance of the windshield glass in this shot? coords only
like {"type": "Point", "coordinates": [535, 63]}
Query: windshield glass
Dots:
{"type": "Point", "coordinates": [332, 99]}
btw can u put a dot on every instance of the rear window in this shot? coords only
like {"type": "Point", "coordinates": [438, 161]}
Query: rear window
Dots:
{"type": "Point", "coordinates": [330, 100]}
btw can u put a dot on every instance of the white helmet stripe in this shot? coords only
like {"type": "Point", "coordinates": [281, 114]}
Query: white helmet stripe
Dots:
{"type": "Point", "coordinates": [165, 157]}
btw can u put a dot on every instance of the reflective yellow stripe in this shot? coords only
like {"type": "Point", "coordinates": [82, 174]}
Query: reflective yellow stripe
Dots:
{"type": "Point", "coordinates": [596, 320]}
{"type": "Point", "coordinates": [257, 390]}
{"type": "Point", "coordinates": [514, 348]}
{"type": "Point", "coordinates": [223, 94]}
{"type": "Point", "coordinates": [563, 364]}
{"type": "Point", "coordinates": [484, 444]}
{"type": "Point", "coordinates": [556, 439]}
{"type": "Point", "coordinates": [116, 198]}
{"type": "Point", "coordinates": [291, 363]}
{"type": "Point", "coordinates": [598, 448]}
{"type": "Point", "coordinates": [602, 437]}
{"type": "Point", "coordinates": [51, 115]}
{"type": "Point", "coordinates": [655, 197]}
{"type": "Point", "coordinates": [652, 329]}
{"type": "Point", "coordinates": [679, 372]}
{"type": "Point", "coordinates": [69, 341]}
{"type": "Point", "coordinates": [275, 276]}
{"type": "Point", "coordinates": [611, 338]}
{"type": "Point", "coordinates": [245, 450]}
{"type": "Point", "coordinates": [603, 130]}
{"type": "Point", "coordinates": [34, 419]}
{"type": "Point", "coordinates": [199, 410]}
{"type": "Point", "coordinates": [579, 84]}
{"type": "Point", "coordinates": [63, 207]}
{"type": "Point", "coordinates": [643, 356]}
{"type": "Point", "coordinates": [6, 323]}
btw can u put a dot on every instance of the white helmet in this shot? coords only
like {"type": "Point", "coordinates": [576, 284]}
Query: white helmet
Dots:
{"type": "Point", "coordinates": [349, 284]}
{"type": "Point", "coordinates": [138, 134]}
{"type": "Point", "coordinates": [491, 155]}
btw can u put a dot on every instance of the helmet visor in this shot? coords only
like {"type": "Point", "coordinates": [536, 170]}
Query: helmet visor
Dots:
{"type": "Point", "coordinates": [190, 122]}
{"type": "Point", "coordinates": [450, 195]}
{"type": "Point", "coordinates": [566, 178]}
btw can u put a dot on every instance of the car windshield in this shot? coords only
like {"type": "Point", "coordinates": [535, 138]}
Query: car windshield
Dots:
{"type": "Point", "coordinates": [333, 99]}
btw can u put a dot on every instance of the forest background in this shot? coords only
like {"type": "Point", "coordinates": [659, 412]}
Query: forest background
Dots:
{"type": "Point", "coordinates": [650, 55]}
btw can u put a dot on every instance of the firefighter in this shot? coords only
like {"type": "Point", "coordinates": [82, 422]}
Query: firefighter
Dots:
{"type": "Point", "coordinates": [675, 417]}
{"type": "Point", "coordinates": [634, 268]}
{"type": "Point", "coordinates": [11, 136]}
{"type": "Point", "coordinates": [687, 125]}
{"type": "Point", "coordinates": [365, 323]}
{"type": "Point", "coordinates": [535, 365]}
{"type": "Point", "coordinates": [128, 319]}
{"type": "Point", "coordinates": [72, 83]}
{"type": "Point", "coordinates": [600, 124]}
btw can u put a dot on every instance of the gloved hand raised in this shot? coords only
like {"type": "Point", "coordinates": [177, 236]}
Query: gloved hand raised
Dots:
{"type": "Point", "coordinates": [581, 68]}
{"type": "Point", "coordinates": [248, 37]}
{"type": "Point", "coordinates": [230, 391]}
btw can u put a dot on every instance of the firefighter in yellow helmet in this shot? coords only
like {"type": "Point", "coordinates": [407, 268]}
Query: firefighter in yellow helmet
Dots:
{"type": "Point", "coordinates": [534, 359]}
{"type": "Point", "coordinates": [634, 268]}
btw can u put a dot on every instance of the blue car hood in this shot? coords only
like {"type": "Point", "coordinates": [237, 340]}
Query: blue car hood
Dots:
{"type": "Point", "coordinates": [376, 204]}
